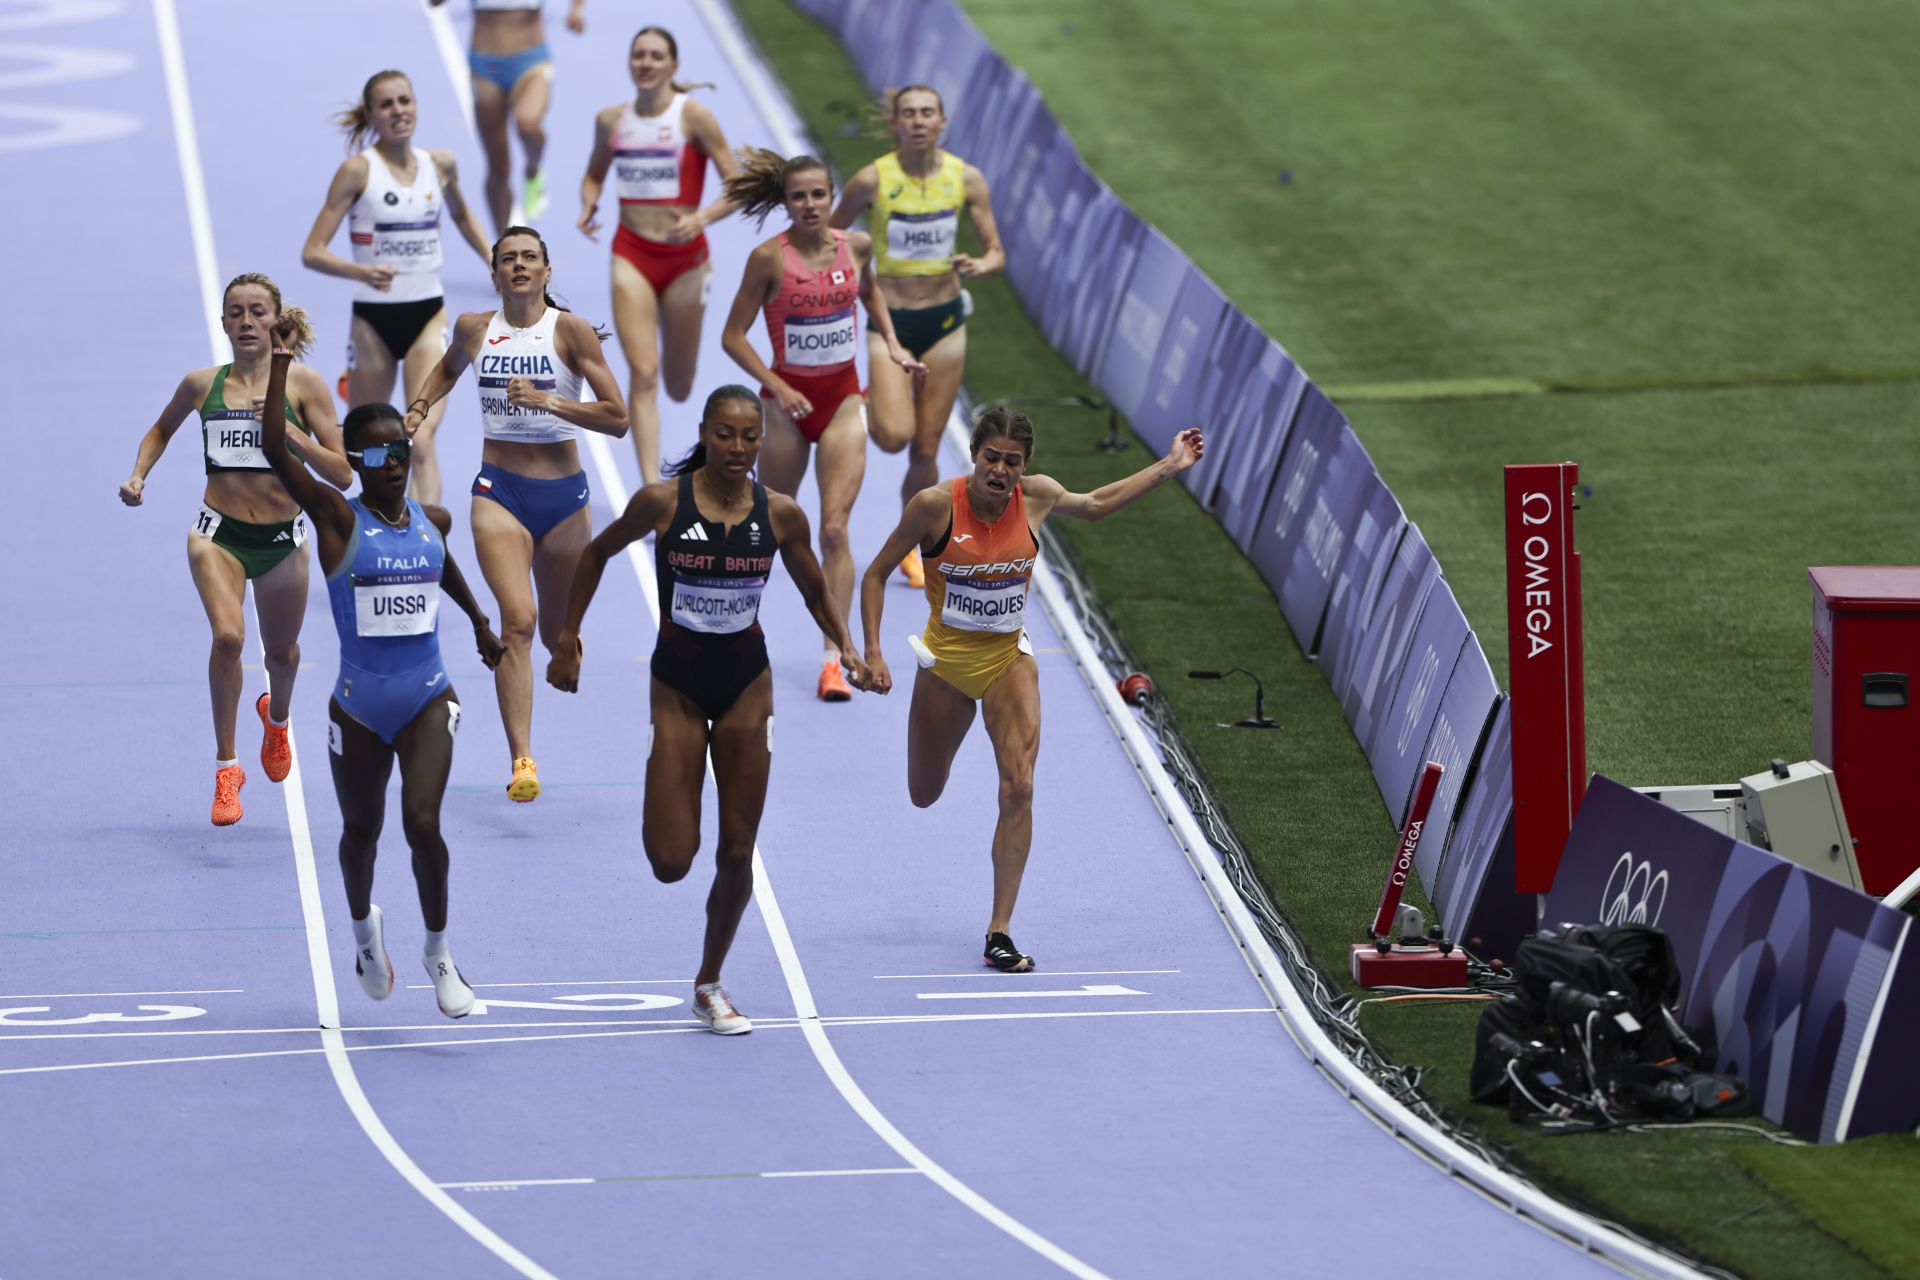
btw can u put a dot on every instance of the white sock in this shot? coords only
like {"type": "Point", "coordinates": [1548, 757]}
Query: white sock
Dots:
{"type": "Point", "coordinates": [278, 724]}
{"type": "Point", "coordinates": [225, 764]}
{"type": "Point", "coordinates": [436, 943]}
{"type": "Point", "coordinates": [363, 929]}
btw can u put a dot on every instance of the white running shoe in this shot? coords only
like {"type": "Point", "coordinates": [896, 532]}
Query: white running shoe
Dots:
{"type": "Point", "coordinates": [449, 988]}
{"type": "Point", "coordinates": [713, 1006]}
{"type": "Point", "coordinates": [370, 962]}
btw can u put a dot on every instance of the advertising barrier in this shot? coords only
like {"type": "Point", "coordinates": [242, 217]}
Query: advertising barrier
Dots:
{"type": "Point", "coordinates": [1312, 508]}
{"type": "Point", "coordinates": [1383, 647]}
{"type": "Point", "coordinates": [1791, 975]}
{"type": "Point", "coordinates": [1357, 581]}
{"type": "Point", "coordinates": [1459, 734]}
{"type": "Point", "coordinates": [1236, 348]}
{"type": "Point", "coordinates": [1394, 749]}
{"type": "Point", "coordinates": [1263, 407]}
{"type": "Point", "coordinates": [1140, 320]}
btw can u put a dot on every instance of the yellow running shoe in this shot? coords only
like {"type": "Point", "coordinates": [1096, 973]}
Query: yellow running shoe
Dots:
{"type": "Point", "coordinates": [833, 684]}
{"type": "Point", "coordinates": [226, 795]}
{"type": "Point", "coordinates": [276, 754]}
{"type": "Point", "coordinates": [526, 781]}
{"type": "Point", "coordinates": [913, 571]}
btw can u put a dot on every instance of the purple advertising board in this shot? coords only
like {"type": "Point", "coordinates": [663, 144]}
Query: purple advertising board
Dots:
{"type": "Point", "coordinates": [1789, 975]}
{"type": "Point", "coordinates": [1072, 251]}
{"type": "Point", "coordinates": [1310, 514]}
{"type": "Point", "coordinates": [1401, 735]}
{"type": "Point", "coordinates": [1168, 406]}
{"type": "Point", "coordinates": [1474, 894]}
{"type": "Point", "coordinates": [828, 13]}
{"type": "Point", "coordinates": [1237, 345]}
{"type": "Point", "coordinates": [1459, 732]}
{"type": "Point", "coordinates": [1383, 646]}
{"type": "Point", "coordinates": [882, 26]}
{"type": "Point", "coordinates": [1358, 579]}
{"type": "Point", "coordinates": [973, 110]}
{"type": "Point", "coordinates": [1103, 248]}
{"type": "Point", "coordinates": [1027, 228]}
{"type": "Point", "coordinates": [941, 52]}
{"type": "Point", "coordinates": [1139, 321]}
{"type": "Point", "coordinates": [1260, 414]}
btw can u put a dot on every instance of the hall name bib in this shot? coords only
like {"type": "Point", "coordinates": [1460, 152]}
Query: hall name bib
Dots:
{"type": "Point", "coordinates": [818, 341]}
{"type": "Point", "coordinates": [996, 604]}
{"type": "Point", "coordinates": [647, 175]}
{"type": "Point", "coordinates": [717, 606]}
{"type": "Point", "coordinates": [922, 237]}
{"type": "Point", "coordinates": [396, 608]}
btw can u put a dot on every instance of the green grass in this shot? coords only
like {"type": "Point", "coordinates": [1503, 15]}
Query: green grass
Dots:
{"type": "Point", "coordinates": [1859, 1191]}
{"type": "Point", "coordinates": [1694, 217]}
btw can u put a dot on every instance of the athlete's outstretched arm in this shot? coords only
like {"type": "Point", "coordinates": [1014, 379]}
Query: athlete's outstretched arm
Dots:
{"type": "Point", "coordinates": [646, 512]}
{"type": "Point", "coordinates": [855, 198]}
{"type": "Point", "coordinates": [191, 391]}
{"type": "Point", "coordinates": [927, 513]}
{"type": "Point", "coordinates": [993, 256]}
{"type": "Point", "coordinates": [795, 539]}
{"type": "Point", "coordinates": [467, 332]}
{"type": "Point", "coordinates": [861, 244]}
{"type": "Point", "coordinates": [757, 285]}
{"type": "Point", "coordinates": [332, 518]}
{"type": "Point", "coordinates": [454, 584]}
{"type": "Point", "coordinates": [578, 344]}
{"type": "Point", "coordinates": [349, 180]}
{"type": "Point", "coordinates": [1046, 496]}
{"type": "Point", "coordinates": [594, 180]}
{"type": "Point", "coordinates": [463, 216]}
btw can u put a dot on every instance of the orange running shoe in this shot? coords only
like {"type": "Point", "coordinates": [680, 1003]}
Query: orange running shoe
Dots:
{"type": "Point", "coordinates": [341, 388]}
{"type": "Point", "coordinates": [913, 571]}
{"type": "Point", "coordinates": [526, 781]}
{"type": "Point", "coordinates": [833, 682]}
{"type": "Point", "coordinates": [276, 754]}
{"type": "Point", "coordinates": [226, 794]}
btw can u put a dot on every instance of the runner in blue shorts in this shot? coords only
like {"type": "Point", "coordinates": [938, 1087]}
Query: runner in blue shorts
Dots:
{"type": "Point", "coordinates": [530, 518]}
{"type": "Point", "coordinates": [386, 562]}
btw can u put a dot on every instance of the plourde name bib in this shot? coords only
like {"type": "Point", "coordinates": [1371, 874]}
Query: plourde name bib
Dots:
{"type": "Point", "coordinates": [819, 341]}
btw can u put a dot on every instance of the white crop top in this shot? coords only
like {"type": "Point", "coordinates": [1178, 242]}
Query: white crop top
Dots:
{"type": "Point", "coordinates": [398, 227]}
{"type": "Point", "coordinates": [508, 353]}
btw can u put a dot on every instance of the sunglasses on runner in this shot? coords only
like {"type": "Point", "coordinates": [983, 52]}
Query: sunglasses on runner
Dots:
{"type": "Point", "coordinates": [375, 456]}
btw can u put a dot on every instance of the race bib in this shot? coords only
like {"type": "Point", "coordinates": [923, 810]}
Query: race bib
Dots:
{"type": "Point", "coordinates": [922, 237]}
{"type": "Point", "coordinates": [819, 341]}
{"type": "Point", "coordinates": [995, 604]}
{"type": "Point", "coordinates": [396, 608]}
{"type": "Point", "coordinates": [717, 606]}
{"type": "Point", "coordinates": [408, 244]}
{"type": "Point", "coordinates": [647, 175]}
{"type": "Point", "coordinates": [233, 440]}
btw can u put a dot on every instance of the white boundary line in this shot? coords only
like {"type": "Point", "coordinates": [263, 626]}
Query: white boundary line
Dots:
{"type": "Point", "coordinates": [192, 177]}
{"type": "Point", "coordinates": [1873, 1029]}
{"type": "Point", "coordinates": [502, 1184]}
{"type": "Point", "coordinates": [88, 995]}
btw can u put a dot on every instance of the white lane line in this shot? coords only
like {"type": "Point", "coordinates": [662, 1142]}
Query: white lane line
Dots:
{"type": "Point", "coordinates": [996, 975]}
{"type": "Point", "coordinates": [192, 177]}
{"type": "Point", "coordinates": [614, 982]}
{"type": "Point", "coordinates": [1102, 989]}
{"type": "Point", "coordinates": [502, 1184]}
{"type": "Point", "coordinates": [88, 995]}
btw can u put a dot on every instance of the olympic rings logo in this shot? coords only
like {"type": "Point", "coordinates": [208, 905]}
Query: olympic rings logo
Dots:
{"type": "Point", "coordinates": [1629, 897]}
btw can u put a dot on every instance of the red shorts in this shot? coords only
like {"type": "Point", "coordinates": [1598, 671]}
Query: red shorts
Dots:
{"type": "Point", "coordinates": [660, 263]}
{"type": "Point", "coordinates": [825, 392]}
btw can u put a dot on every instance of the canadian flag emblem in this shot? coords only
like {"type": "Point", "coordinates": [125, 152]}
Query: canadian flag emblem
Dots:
{"type": "Point", "coordinates": [839, 277]}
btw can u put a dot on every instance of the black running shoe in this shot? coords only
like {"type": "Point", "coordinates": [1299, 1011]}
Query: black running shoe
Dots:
{"type": "Point", "coordinates": [1004, 956]}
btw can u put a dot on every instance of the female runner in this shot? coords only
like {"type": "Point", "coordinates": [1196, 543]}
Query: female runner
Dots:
{"type": "Point", "coordinates": [715, 531]}
{"type": "Point", "coordinates": [658, 146]}
{"type": "Point", "coordinates": [385, 559]}
{"type": "Point", "coordinates": [391, 195]}
{"type": "Point", "coordinates": [512, 72]}
{"type": "Point", "coordinates": [916, 193]}
{"type": "Point", "coordinates": [248, 529]}
{"type": "Point", "coordinates": [530, 499]}
{"type": "Point", "coordinates": [979, 536]}
{"type": "Point", "coordinates": [807, 278]}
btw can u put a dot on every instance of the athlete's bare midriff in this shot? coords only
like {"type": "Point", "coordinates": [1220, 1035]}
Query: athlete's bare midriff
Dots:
{"type": "Point", "coordinates": [535, 461]}
{"type": "Point", "coordinates": [254, 496]}
{"type": "Point", "coordinates": [498, 32]}
{"type": "Point", "coordinates": [650, 221]}
{"type": "Point", "coordinates": [915, 293]}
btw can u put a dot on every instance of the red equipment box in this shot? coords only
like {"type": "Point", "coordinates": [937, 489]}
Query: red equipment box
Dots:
{"type": "Point", "coordinates": [1866, 656]}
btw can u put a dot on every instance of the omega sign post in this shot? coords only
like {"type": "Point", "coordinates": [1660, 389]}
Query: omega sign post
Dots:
{"type": "Point", "coordinates": [1544, 668]}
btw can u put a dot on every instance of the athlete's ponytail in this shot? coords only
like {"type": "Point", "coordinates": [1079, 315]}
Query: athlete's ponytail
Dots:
{"type": "Point", "coordinates": [760, 185]}
{"type": "Point", "coordinates": [493, 261]}
{"type": "Point", "coordinates": [357, 120]}
{"type": "Point", "coordinates": [696, 457]}
{"type": "Point", "coordinates": [673, 51]}
{"type": "Point", "coordinates": [303, 325]}
{"type": "Point", "coordinates": [1002, 422]}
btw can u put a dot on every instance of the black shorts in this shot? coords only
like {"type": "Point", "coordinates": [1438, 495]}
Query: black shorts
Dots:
{"type": "Point", "coordinates": [399, 324]}
{"type": "Point", "coordinates": [711, 670]}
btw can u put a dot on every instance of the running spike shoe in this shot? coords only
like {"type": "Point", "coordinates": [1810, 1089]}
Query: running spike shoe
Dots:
{"type": "Point", "coordinates": [276, 753]}
{"type": "Point", "coordinates": [533, 196]}
{"type": "Point", "coordinates": [833, 682]}
{"type": "Point", "coordinates": [713, 1006]}
{"type": "Point", "coordinates": [370, 962]}
{"type": "Point", "coordinates": [226, 795]}
{"type": "Point", "coordinates": [913, 571]}
{"type": "Point", "coordinates": [340, 389]}
{"type": "Point", "coordinates": [450, 989]}
{"type": "Point", "coordinates": [526, 781]}
{"type": "Point", "coordinates": [1004, 956]}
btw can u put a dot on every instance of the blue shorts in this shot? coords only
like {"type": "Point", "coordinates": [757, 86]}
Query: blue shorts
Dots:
{"type": "Point", "coordinates": [539, 505]}
{"type": "Point", "coordinates": [387, 704]}
{"type": "Point", "coordinates": [505, 69]}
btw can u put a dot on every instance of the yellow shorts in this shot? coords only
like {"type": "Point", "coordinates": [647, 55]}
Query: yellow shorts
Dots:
{"type": "Point", "coordinates": [970, 661]}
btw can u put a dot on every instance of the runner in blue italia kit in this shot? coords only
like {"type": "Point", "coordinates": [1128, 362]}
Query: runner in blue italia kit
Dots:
{"type": "Point", "coordinates": [386, 562]}
{"type": "Point", "coordinates": [716, 532]}
{"type": "Point", "coordinates": [248, 529]}
{"type": "Point", "coordinates": [530, 517]}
